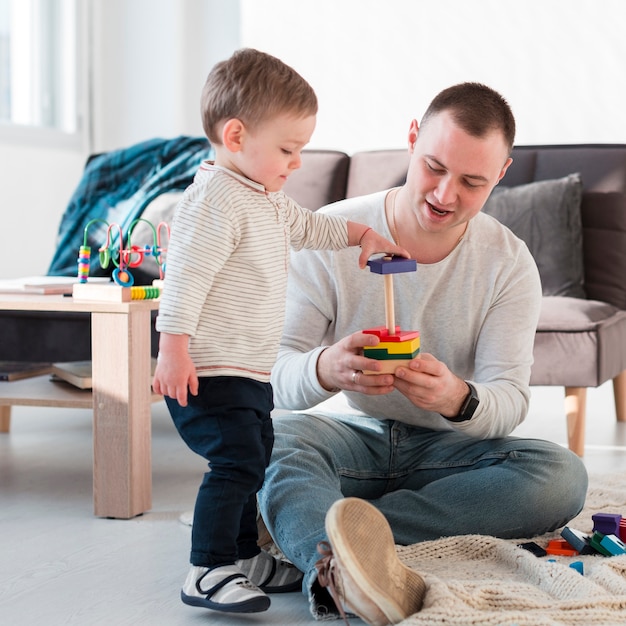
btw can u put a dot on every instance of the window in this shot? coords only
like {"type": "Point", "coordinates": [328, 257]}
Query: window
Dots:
{"type": "Point", "coordinates": [39, 71]}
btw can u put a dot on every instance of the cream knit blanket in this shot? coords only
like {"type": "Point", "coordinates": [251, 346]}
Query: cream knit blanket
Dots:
{"type": "Point", "coordinates": [477, 580]}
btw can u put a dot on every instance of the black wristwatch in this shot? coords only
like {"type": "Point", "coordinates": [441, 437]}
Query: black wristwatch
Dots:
{"type": "Point", "coordinates": [469, 406]}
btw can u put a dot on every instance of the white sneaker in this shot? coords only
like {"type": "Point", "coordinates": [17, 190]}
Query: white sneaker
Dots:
{"type": "Point", "coordinates": [272, 575]}
{"type": "Point", "coordinates": [223, 588]}
{"type": "Point", "coordinates": [186, 518]}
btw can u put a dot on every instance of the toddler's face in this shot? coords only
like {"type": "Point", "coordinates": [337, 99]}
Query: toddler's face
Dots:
{"type": "Point", "coordinates": [272, 151]}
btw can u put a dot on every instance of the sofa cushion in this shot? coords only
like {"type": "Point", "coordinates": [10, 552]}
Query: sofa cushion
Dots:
{"type": "Point", "coordinates": [375, 170]}
{"type": "Point", "coordinates": [575, 340]}
{"type": "Point", "coordinates": [546, 215]}
{"type": "Point", "coordinates": [321, 180]}
{"type": "Point", "coordinates": [564, 314]}
{"type": "Point", "coordinates": [604, 246]}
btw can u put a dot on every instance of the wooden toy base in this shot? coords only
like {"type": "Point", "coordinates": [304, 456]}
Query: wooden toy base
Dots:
{"type": "Point", "coordinates": [107, 293]}
{"type": "Point", "coordinates": [113, 293]}
{"type": "Point", "coordinates": [389, 366]}
{"type": "Point", "coordinates": [393, 350]}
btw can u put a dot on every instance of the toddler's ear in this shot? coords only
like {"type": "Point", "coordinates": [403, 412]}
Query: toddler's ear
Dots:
{"type": "Point", "coordinates": [232, 134]}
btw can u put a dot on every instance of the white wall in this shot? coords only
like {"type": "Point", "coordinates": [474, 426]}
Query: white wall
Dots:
{"type": "Point", "coordinates": [375, 65]}
{"type": "Point", "coordinates": [36, 184]}
{"type": "Point", "coordinates": [150, 60]}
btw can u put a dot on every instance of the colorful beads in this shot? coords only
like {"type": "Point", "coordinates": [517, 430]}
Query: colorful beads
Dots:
{"type": "Point", "coordinates": [84, 253]}
{"type": "Point", "coordinates": [122, 277]}
{"type": "Point", "coordinates": [123, 258]}
{"type": "Point", "coordinates": [144, 293]}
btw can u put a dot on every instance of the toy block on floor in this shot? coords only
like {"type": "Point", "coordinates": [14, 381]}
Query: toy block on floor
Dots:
{"type": "Point", "coordinates": [578, 540]}
{"type": "Point", "coordinates": [560, 547]}
{"type": "Point", "coordinates": [533, 547]}
{"type": "Point", "coordinates": [613, 544]}
{"type": "Point", "coordinates": [594, 542]}
{"type": "Point", "coordinates": [622, 529]}
{"type": "Point", "coordinates": [606, 523]}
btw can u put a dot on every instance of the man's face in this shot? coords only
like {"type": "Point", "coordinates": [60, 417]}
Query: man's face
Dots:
{"type": "Point", "coordinates": [451, 173]}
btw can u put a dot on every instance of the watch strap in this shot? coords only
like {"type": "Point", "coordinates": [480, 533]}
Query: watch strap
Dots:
{"type": "Point", "coordinates": [469, 406]}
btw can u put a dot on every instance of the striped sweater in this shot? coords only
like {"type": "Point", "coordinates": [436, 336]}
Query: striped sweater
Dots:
{"type": "Point", "coordinates": [226, 270]}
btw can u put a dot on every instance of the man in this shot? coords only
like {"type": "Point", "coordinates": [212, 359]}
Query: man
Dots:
{"type": "Point", "coordinates": [428, 446]}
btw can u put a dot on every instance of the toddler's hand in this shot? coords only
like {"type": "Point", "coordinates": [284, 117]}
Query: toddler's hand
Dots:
{"type": "Point", "coordinates": [372, 243]}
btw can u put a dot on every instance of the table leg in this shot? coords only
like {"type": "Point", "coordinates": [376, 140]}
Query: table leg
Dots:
{"type": "Point", "coordinates": [5, 418]}
{"type": "Point", "coordinates": [122, 472]}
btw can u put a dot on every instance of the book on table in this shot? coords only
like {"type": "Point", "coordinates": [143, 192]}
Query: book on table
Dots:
{"type": "Point", "coordinates": [78, 373]}
{"type": "Point", "coordinates": [49, 285]}
{"type": "Point", "coordinates": [17, 370]}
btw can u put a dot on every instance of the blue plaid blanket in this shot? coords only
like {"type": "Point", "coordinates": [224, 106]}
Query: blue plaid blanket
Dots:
{"type": "Point", "coordinates": [116, 187]}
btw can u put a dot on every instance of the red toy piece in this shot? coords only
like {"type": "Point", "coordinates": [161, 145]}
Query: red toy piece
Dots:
{"type": "Point", "coordinates": [560, 547]}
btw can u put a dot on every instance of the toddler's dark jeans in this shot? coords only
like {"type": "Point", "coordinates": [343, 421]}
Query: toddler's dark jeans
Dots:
{"type": "Point", "coordinates": [229, 424]}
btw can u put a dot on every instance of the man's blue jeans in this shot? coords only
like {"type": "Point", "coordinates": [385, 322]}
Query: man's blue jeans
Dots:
{"type": "Point", "coordinates": [229, 424]}
{"type": "Point", "coordinates": [428, 484]}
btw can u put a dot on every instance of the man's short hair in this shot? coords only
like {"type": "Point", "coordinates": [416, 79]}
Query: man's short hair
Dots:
{"type": "Point", "coordinates": [476, 108]}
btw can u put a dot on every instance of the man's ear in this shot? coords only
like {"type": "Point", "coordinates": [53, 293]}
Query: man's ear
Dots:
{"type": "Point", "coordinates": [504, 169]}
{"type": "Point", "coordinates": [232, 134]}
{"type": "Point", "coordinates": [412, 137]}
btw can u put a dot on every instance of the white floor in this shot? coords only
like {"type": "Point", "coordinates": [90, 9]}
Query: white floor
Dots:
{"type": "Point", "coordinates": [60, 565]}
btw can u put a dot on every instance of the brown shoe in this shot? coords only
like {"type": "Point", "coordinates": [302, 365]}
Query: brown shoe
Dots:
{"type": "Point", "coordinates": [362, 571]}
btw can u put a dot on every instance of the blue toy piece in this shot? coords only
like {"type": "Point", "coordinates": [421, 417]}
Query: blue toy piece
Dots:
{"type": "Point", "coordinates": [578, 540]}
{"type": "Point", "coordinates": [123, 277]}
{"type": "Point", "coordinates": [392, 265]}
{"type": "Point", "coordinates": [613, 544]}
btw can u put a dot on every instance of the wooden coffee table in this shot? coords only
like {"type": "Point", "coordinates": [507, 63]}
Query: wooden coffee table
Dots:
{"type": "Point", "coordinates": [121, 397]}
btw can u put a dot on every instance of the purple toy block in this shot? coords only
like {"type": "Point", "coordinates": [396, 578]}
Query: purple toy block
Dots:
{"type": "Point", "coordinates": [392, 265]}
{"type": "Point", "coordinates": [606, 523]}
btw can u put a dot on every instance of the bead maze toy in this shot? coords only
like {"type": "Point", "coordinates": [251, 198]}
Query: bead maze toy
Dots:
{"type": "Point", "coordinates": [396, 347]}
{"type": "Point", "coordinates": [122, 289]}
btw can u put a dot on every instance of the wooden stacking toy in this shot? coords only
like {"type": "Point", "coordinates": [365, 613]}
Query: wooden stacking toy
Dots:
{"type": "Point", "coordinates": [396, 347]}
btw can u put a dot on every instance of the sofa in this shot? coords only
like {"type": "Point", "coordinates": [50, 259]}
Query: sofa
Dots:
{"type": "Point", "coordinates": [567, 202]}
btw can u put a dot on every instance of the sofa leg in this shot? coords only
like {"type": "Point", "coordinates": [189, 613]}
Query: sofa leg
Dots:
{"type": "Point", "coordinates": [5, 418]}
{"type": "Point", "coordinates": [576, 410]}
{"type": "Point", "coordinates": [619, 392]}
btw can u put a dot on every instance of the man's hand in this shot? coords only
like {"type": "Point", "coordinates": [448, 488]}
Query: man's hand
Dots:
{"type": "Point", "coordinates": [341, 366]}
{"type": "Point", "coordinates": [430, 385]}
